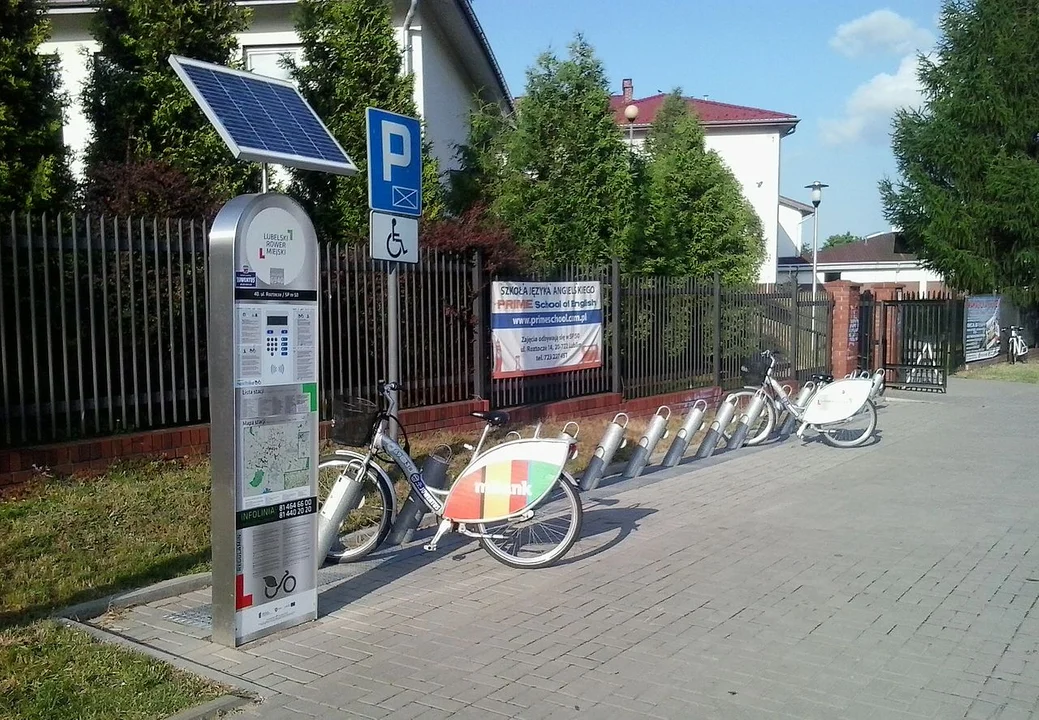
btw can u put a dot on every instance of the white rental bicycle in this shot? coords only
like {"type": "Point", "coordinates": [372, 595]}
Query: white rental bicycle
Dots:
{"type": "Point", "coordinates": [1016, 347]}
{"type": "Point", "coordinates": [841, 411]}
{"type": "Point", "coordinates": [515, 498]}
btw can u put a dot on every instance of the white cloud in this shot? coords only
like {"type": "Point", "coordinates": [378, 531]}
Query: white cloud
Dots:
{"type": "Point", "coordinates": [868, 111]}
{"type": "Point", "coordinates": [881, 31]}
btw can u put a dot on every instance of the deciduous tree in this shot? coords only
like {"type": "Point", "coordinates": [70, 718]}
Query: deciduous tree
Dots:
{"type": "Point", "coordinates": [140, 111]}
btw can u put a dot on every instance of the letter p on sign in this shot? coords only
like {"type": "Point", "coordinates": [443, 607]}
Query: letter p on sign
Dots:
{"type": "Point", "coordinates": [391, 159]}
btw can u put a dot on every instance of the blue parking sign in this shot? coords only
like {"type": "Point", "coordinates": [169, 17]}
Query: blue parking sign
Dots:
{"type": "Point", "coordinates": [394, 163]}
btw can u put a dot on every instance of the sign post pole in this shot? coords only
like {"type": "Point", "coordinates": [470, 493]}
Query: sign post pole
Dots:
{"type": "Point", "coordinates": [395, 199]}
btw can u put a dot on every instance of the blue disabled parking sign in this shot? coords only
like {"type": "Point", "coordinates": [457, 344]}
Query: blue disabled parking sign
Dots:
{"type": "Point", "coordinates": [394, 163]}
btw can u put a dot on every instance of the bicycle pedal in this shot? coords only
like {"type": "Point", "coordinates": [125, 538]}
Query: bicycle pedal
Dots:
{"type": "Point", "coordinates": [430, 547]}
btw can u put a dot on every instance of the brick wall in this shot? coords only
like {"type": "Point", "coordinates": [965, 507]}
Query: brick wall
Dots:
{"type": "Point", "coordinates": [94, 456]}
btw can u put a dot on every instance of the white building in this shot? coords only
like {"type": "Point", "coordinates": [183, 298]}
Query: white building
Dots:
{"type": "Point", "coordinates": [449, 55]}
{"type": "Point", "coordinates": [748, 140]}
{"type": "Point", "coordinates": [877, 258]}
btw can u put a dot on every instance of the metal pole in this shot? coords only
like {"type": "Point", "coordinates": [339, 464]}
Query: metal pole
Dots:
{"type": "Point", "coordinates": [393, 343]}
{"type": "Point", "coordinates": [263, 177]}
{"type": "Point", "coordinates": [815, 283]}
{"type": "Point", "coordinates": [615, 323]}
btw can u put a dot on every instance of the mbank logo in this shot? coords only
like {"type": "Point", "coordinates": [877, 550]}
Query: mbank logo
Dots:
{"type": "Point", "coordinates": [522, 488]}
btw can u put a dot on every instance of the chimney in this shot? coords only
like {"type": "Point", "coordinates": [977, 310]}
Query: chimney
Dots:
{"type": "Point", "coordinates": [628, 89]}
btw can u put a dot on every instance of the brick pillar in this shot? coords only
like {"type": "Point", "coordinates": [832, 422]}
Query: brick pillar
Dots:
{"type": "Point", "coordinates": [885, 292]}
{"type": "Point", "coordinates": [844, 338]}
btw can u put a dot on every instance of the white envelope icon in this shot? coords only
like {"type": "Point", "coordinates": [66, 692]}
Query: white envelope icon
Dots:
{"type": "Point", "coordinates": [403, 197]}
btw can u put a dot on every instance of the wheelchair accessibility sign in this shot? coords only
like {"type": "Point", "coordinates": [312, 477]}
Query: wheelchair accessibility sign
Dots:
{"type": "Point", "coordinates": [393, 237]}
{"type": "Point", "coordinates": [394, 163]}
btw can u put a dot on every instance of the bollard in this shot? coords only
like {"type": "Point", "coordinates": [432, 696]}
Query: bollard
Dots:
{"type": "Point", "coordinates": [789, 421]}
{"type": "Point", "coordinates": [757, 405]}
{"type": "Point", "coordinates": [878, 383]}
{"type": "Point", "coordinates": [612, 441]}
{"type": "Point", "coordinates": [434, 475]}
{"type": "Point", "coordinates": [714, 432]}
{"type": "Point", "coordinates": [567, 435]}
{"type": "Point", "coordinates": [656, 431]}
{"type": "Point", "coordinates": [685, 434]}
{"type": "Point", "coordinates": [345, 495]}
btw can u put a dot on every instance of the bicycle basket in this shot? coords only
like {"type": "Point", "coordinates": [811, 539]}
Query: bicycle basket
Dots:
{"type": "Point", "coordinates": [353, 421]}
{"type": "Point", "coordinates": [754, 369]}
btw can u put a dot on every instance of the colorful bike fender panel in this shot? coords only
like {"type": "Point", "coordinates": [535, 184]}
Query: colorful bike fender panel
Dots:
{"type": "Point", "coordinates": [838, 401]}
{"type": "Point", "coordinates": [506, 480]}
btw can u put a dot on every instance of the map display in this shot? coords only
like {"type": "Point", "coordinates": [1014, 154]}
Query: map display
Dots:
{"type": "Point", "coordinates": [277, 438]}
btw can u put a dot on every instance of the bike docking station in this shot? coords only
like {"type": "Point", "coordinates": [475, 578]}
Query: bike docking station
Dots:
{"type": "Point", "coordinates": [612, 441]}
{"type": "Point", "coordinates": [685, 434]}
{"type": "Point", "coordinates": [263, 358]}
{"type": "Point", "coordinates": [786, 428]}
{"type": "Point", "coordinates": [656, 432]}
{"type": "Point", "coordinates": [747, 420]}
{"type": "Point", "coordinates": [722, 418]}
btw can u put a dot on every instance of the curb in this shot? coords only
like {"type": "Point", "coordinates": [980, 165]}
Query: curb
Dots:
{"type": "Point", "coordinates": [249, 692]}
{"type": "Point", "coordinates": [212, 709]}
{"type": "Point", "coordinates": [159, 591]}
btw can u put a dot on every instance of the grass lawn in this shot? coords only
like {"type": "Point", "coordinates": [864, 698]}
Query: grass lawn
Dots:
{"type": "Point", "coordinates": [66, 541]}
{"type": "Point", "coordinates": [50, 672]}
{"type": "Point", "coordinates": [1027, 372]}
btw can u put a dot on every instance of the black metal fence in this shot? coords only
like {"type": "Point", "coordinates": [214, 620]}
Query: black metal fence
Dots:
{"type": "Point", "coordinates": [103, 328]}
{"type": "Point", "coordinates": [916, 337]}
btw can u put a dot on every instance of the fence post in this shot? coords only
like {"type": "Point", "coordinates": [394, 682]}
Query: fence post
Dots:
{"type": "Point", "coordinates": [615, 322]}
{"type": "Point", "coordinates": [480, 341]}
{"type": "Point", "coordinates": [717, 329]}
{"type": "Point", "coordinates": [795, 326]}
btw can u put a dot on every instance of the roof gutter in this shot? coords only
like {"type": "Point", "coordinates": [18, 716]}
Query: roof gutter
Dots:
{"type": "Point", "coordinates": [474, 24]}
{"type": "Point", "coordinates": [406, 37]}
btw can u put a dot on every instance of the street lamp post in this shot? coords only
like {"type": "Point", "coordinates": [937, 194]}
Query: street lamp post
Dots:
{"type": "Point", "coordinates": [631, 113]}
{"type": "Point", "coordinates": [817, 197]}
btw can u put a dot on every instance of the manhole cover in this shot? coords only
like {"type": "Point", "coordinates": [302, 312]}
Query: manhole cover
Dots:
{"type": "Point", "coordinates": [201, 617]}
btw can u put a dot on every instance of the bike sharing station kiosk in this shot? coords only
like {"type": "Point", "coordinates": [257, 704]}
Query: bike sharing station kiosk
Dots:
{"type": "Point", "coordinates": [263, 358]}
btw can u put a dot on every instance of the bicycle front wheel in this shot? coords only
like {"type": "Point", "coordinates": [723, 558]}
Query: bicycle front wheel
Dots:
{"type": "Point", "coordinates": [542, 535]}
{"type": "Point", "coordinates": [365, 527]}
{"type": "Point", "coordinates": [845, 435]}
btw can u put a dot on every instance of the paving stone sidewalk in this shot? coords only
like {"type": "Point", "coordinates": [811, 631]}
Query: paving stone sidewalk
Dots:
{"type": "Point", "coordinates": [894, 581]}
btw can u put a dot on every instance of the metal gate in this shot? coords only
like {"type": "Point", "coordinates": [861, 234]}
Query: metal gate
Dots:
{"type": "Point", "coordinates": [912, 337]}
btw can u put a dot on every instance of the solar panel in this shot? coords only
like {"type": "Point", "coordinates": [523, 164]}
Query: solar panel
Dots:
{"type": "Point", "coordinates": [262, 119]}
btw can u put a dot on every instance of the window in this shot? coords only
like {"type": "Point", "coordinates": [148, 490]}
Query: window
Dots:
{"type": "Point", "coordinates": [266, 60]}
{"type": "Point", "coordinates": [831, 276]}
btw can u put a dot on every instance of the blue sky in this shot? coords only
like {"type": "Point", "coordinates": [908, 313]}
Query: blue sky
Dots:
{"type": "Point", "coordinates": [842, 66]}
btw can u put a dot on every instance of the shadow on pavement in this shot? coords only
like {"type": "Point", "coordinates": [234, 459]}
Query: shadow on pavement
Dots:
{"type": "Point", "coordinates": [601, 521]}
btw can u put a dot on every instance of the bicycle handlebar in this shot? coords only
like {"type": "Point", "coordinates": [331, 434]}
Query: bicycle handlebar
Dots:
{"type": "Point", "coordinates": [387, 387]}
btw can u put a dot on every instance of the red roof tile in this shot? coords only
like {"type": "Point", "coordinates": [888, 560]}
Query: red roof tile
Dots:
{"type": "Point", "coordinates": [709, 111]}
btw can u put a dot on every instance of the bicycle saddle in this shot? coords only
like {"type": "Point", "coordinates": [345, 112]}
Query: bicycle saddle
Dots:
{"type": "Point", "coordinates": [822, 378]}
{"type": "Point", "coordinates": [497, 418]}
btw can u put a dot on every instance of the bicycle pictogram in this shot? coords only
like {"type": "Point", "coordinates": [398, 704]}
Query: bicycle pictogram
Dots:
{"type": "Point", "coordinates": [394, 238]}
{"type": "Point", "coordinates": [288, 584]}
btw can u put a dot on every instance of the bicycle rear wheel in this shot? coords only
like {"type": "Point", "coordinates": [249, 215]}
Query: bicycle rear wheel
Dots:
{"type": "Point", "coordinates": [541, 536]}
{"type": "Point", "coordinates": [365, 527]}
{"type": "Point", "coordinates": [845, 435]}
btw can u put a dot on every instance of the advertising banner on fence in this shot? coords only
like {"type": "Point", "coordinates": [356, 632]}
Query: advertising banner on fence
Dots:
{"type": "Point", "coordinates": [539, 328]}
{"type": "Point", "coordinates": [981, 339]}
